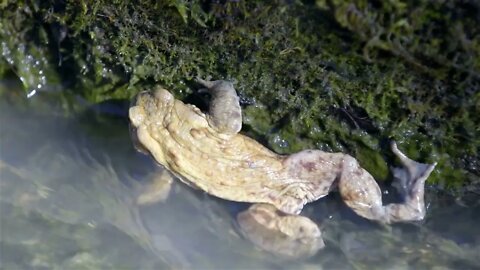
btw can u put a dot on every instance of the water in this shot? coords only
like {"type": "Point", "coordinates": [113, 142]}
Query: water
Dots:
{"type": "Point", "coordinates": [68, 185]}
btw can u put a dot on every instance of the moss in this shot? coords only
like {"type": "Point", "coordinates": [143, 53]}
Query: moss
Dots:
{"type": "Point", "coordinates": [25, 46]}
{"type": "Point", "coordinates": [325, 74]}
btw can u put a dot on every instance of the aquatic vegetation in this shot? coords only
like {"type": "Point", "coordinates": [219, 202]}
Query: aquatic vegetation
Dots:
{"type": "Point", "coordinates": [311, 74]}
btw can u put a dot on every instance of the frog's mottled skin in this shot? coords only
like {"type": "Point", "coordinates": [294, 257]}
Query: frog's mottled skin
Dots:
{"type": "Point", "coordinates": [207, 152]}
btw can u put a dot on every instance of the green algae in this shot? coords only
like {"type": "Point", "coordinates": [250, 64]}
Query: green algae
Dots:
{"type": "Point", "coordinates": [331, 75]}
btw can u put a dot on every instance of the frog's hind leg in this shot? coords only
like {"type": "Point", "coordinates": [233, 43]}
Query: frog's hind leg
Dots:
{"type": "Point", "coordinates": [285, 235]}
{"type": "Point", "coordinates": [361, 193]}
{"type": "Point", "coordinates": [225, 113]}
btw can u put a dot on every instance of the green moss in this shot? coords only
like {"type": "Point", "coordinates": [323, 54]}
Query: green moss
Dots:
{"type": "Point", "coordinates": [330, 75]}
{"type": "Point", "coordinates": [26, 47]}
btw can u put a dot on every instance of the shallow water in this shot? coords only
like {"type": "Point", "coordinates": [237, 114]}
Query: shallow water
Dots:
{"type": "Point", "coordinates": [68, 186]}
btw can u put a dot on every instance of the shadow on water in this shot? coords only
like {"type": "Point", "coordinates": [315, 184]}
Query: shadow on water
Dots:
{"type": "Point", "coordinates": [68, 186]}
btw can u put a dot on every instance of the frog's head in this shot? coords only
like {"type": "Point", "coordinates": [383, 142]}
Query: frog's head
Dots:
{"type": "Point", "coordinates": [147, 107]}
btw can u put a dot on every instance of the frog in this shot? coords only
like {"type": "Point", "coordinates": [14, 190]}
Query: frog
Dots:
{"type": "Point", "coordinates": [207, 151]}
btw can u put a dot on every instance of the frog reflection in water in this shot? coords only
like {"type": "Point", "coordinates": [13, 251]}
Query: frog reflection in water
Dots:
{"type": "Point", "coordinates": [206, 151]}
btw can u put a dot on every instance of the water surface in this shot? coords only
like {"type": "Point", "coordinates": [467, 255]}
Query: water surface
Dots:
{"type": "Point", "coordinates": [69, 181]}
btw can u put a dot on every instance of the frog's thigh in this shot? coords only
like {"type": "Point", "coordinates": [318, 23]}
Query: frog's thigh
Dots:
{"type": "Point", "coordinates": [158, 189]}
{"type": "Point", "coordinates": [284, 235]}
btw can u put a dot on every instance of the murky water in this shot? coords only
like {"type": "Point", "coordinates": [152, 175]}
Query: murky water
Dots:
{"type": "Point", "coordinates": [68, 186]}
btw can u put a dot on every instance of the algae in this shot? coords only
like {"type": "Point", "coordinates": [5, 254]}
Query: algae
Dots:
{"type": "Point", "coordinates": [329, 74]}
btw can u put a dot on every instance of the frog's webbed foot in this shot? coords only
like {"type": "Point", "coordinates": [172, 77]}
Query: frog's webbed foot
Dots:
{"type": "Point", "coordinates": [410, 178]}
{"type": "Point", "coordinates": [225, 113]}
{"type": "Point", "coordinates": [361, 193]}
{"type": "Point", "coordinates": [284, 235]}
{"type": "Point", "coordinates": [157, 190]}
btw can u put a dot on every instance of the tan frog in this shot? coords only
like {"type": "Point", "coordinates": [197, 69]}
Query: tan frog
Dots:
{"type": "Point", "coordinates": [206, 151]}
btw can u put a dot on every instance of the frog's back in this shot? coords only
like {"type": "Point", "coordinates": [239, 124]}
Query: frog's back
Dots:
{"type": "Point", "coordinates": [229, 166]}
{"type": "Point", "coordinates": [233, 167]}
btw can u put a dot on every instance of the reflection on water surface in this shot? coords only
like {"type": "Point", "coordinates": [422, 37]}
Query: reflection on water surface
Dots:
{"type": "Point", "coordinates": [68, 187]}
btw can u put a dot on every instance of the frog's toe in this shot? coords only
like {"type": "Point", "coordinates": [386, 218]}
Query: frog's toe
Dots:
{"type": "Point", "coordinates": [205, 83]}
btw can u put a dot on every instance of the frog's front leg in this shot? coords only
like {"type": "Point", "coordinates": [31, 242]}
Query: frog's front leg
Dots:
{"type": "Point", "coordinates": [361, 193]}
{"type": "Point", "coordinates": [225, 113]}
{"type": "Point", "coordinates": [282, 234]}
{"type": "Point", "coordinates": [158, 189]}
